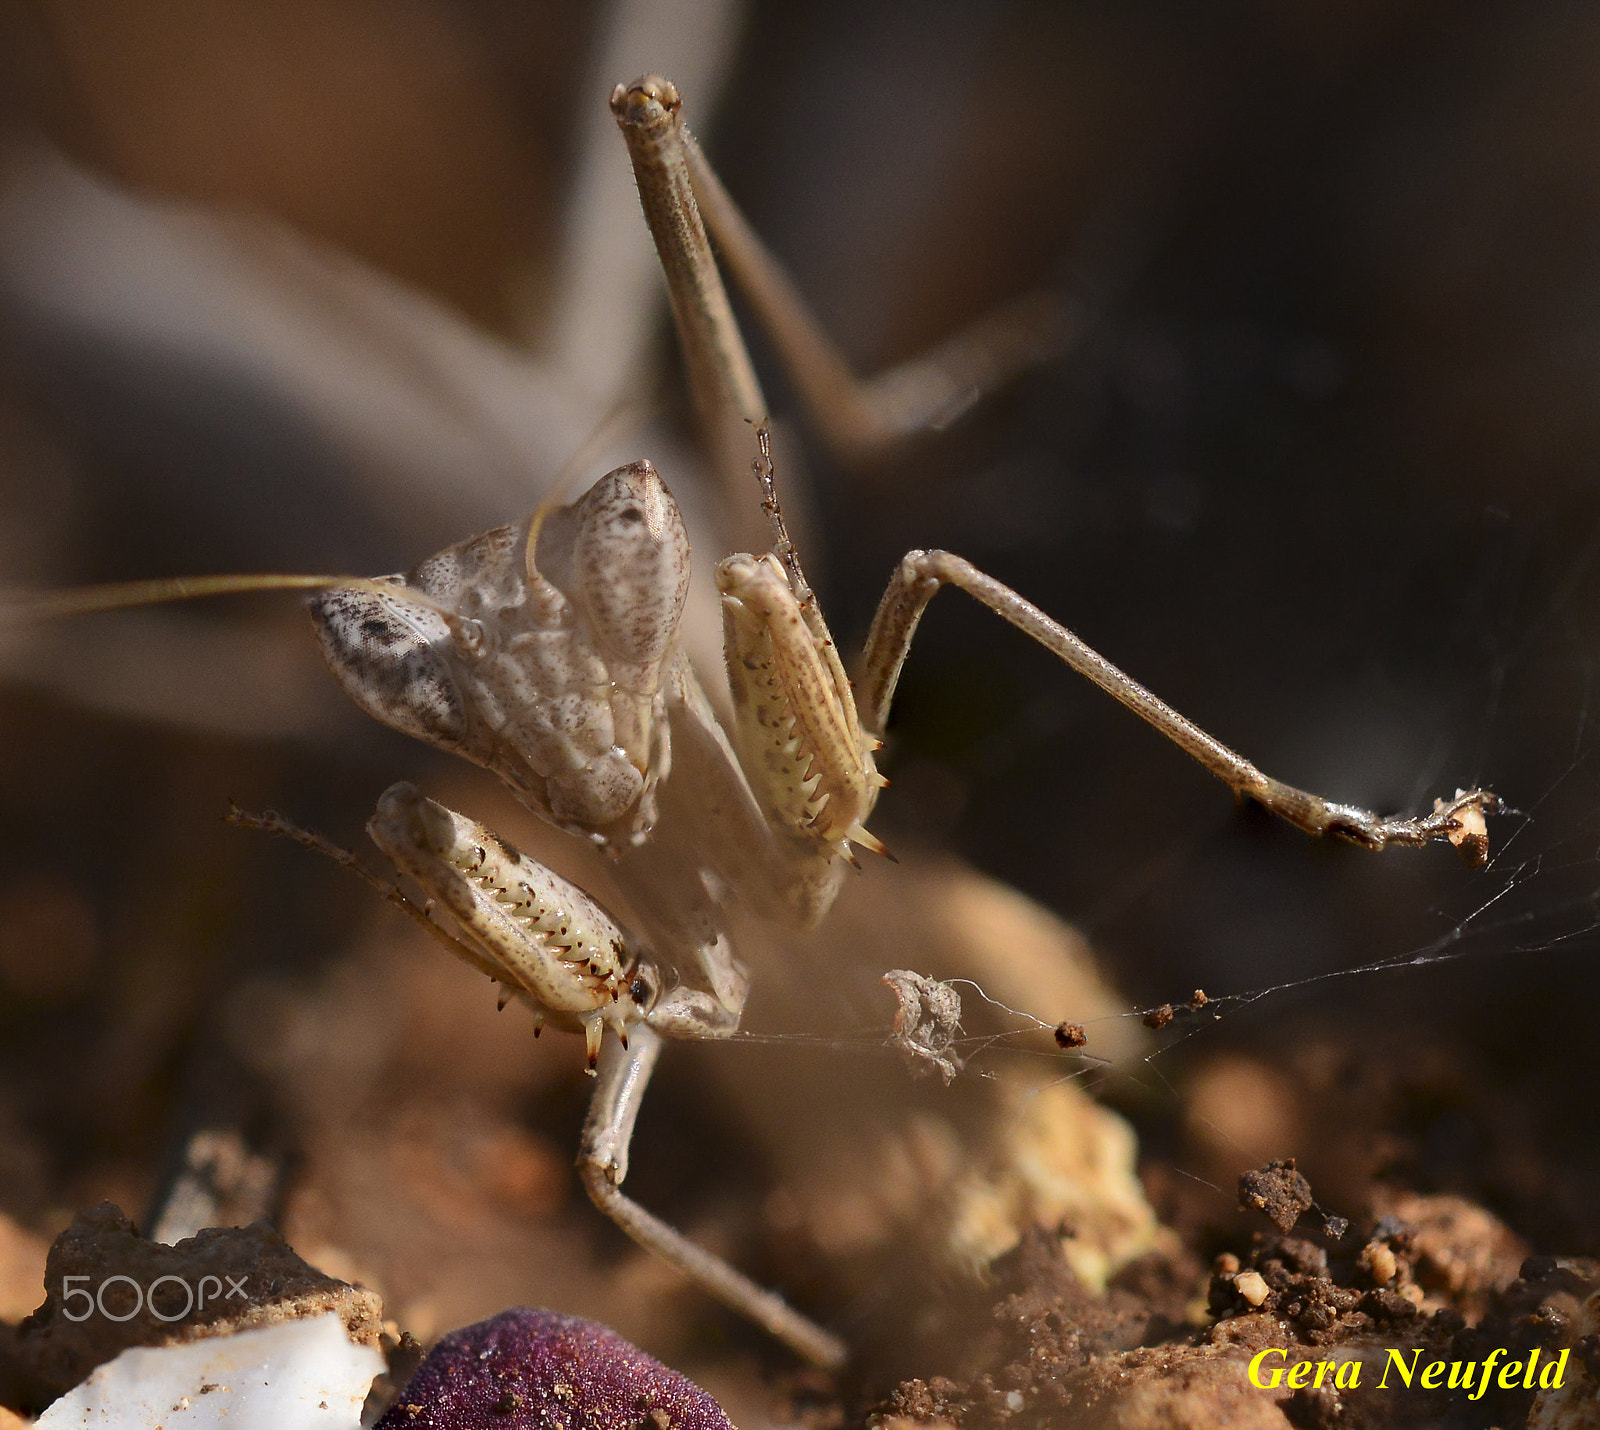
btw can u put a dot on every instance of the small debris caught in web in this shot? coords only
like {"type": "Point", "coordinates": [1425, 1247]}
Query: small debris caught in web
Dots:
{"type": "Point", "coordinates": [1070, 1035]}
{"type": "Point", "coordinates": [1471, 832]}
{"type": "Point", "coordinates": [926, 1022]}
{"type": "Point", "coordinates": [1277, 1191]}
{"type": "Point", "coordinates": [1159, 1017]}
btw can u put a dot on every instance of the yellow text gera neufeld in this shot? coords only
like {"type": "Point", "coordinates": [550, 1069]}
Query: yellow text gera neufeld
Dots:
{"type": "Point", "coordinates": [1404, 1370]}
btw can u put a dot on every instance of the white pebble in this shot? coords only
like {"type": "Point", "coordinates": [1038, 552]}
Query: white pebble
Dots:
{"type": "Point", "coordinates": [300, 1375]}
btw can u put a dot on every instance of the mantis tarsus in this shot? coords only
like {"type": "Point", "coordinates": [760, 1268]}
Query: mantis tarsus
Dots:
{"type": "Point", "coordinates": [547, 651]}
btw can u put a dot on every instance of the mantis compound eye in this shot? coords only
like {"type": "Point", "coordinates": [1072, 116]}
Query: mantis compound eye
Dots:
{"type": "Point", "coordinates": [391, 657]}
{"type": "Point", "coordinates": [631, 563]}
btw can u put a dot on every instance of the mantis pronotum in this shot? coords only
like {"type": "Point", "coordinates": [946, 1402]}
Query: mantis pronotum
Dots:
{"type": "Point", "coordinates": [547, 651]}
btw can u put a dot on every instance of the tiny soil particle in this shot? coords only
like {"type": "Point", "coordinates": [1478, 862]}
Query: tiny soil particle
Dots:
{"type": "Point", "coordinates": [1198, 1000]}
{"type": "Point", "coordinates": [1378, 1260]}
{"type": "Point", "coordinates": [1276, 1190]}
{"type": "Point", "coordinates": [1070, 1035]}
{"type": "Point", "coordinates": [1159, 1017]}
{"type": "Point", "coordinates": [1252, 1286]}
{"type": "Point", "coordinates": [1587, 1350]}
{"type": "Point", "coordinates": [1313, 1408]}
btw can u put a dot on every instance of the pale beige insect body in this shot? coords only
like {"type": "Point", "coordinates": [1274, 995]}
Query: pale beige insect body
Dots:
{"type": "Point", "coordinates": [551, 945]}
{"type": "Point", "coordinates": [537, 650]}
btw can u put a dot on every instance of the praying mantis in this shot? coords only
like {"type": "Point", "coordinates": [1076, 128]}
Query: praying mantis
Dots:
{"type": "Point", "coordinates": [547, 651]}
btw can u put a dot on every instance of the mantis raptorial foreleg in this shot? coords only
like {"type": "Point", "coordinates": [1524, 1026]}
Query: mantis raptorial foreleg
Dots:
{"type": "Point", "coordinates": [550, 945]}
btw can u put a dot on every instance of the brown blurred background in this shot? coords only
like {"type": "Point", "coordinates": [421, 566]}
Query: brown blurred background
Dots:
{"type": "Point", "coordinates": [1320, 469]}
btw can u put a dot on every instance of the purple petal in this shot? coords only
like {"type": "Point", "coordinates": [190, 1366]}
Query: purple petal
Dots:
{"type": "Point", "coordinates": [536, 1370]}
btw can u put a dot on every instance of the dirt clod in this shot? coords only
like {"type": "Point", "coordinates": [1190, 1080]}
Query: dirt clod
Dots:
{"type": "Point", "coordinates": [1278, 1191]}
